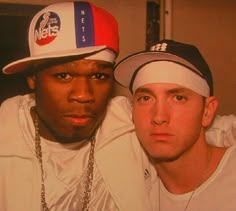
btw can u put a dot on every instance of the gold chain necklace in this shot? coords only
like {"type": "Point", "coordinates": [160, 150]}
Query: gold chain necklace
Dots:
{"type": "Point", "coordinates": [90, 167]}
{"type": "Point", "coordinates": [196, 186]}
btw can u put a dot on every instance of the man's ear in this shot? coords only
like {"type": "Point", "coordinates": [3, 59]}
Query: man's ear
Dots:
{"type": "Point", "coordinates": [211, 104]}
{"type": "Point", "coordinates": [31, 80]}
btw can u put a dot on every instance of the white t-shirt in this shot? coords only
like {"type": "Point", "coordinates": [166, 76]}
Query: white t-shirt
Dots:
{"type": "Point", "coordinates": [65, 169]}
{"type": "Point", "coordinates": [218, 193]}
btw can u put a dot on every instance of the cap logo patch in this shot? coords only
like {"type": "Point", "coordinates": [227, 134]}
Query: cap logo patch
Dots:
{"type": "Point", "coordinates": [84, 25]}
{"type": "Point", "coordinates": [159, 47]}
{"type": "Point", "coordinates": [47, 28]}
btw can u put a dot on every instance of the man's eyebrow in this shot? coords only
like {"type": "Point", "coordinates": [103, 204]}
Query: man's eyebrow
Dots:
{"type": "Point", "coordinates": [178, 90]}
{"type": "Point", "coordinates": [170, 91]}
{"type": "Point", "coordinates": [105, 65]}
{"type": "Point", "coordinates": [143, 90]}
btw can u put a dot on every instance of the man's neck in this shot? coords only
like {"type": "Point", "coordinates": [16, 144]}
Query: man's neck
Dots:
{"type": "Point", "coordinates": [188, 172]}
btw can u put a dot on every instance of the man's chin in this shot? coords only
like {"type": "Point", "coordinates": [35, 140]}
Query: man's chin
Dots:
{"type": "Point", "coordinates": [77, 135]}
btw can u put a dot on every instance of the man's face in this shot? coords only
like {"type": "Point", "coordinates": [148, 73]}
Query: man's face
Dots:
{"type": "Point", "coordinates": [71, 98]}
{"type": "Point", "coordinates": [169, 119]}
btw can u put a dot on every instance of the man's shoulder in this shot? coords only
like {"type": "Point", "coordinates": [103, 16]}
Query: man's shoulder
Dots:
{"type": "Point", "coordinates": [120, 100]}
{"type": "Point", "coordinates": [223, 131]}
{"type": "Point", "coordinates": [118, 118]}
{"type": "Point", "coordinates": [9, 109]}
{"type": "Point", "coordinates": [10, 126]}
{"type": "Point", "coordinates": [16, 101]}
{"type": "Point", "coordinates": [11, 102]}
{"type": "Point", "coordinates": [9, 113]}
{"type": "Point", "coordinates": [120, 105]}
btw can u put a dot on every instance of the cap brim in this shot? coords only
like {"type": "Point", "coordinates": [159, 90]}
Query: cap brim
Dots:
{"type": "Point", "coordinates": [125, 69]}
{"type": "Point", "coordinates": [23, 64]}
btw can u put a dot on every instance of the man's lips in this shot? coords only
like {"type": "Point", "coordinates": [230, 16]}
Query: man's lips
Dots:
{"type": "Point", "coordinates": [161, 136]}
{"type": "Point", "coordinates": [79, 119]}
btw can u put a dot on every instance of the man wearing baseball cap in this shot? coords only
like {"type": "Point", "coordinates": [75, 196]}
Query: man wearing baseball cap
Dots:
{"type": "Point", "coordinates": [52, 156]}
{"type": "Point", "coordinates": [172, 107]}
{"type": "Point", "coordinates": [67, 146]}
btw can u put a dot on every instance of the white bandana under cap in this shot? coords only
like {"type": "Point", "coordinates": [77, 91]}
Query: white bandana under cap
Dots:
{"type": "Point", "coordinates": [104, 55]}
{"type": "Point", "coordinates": [170, 72]}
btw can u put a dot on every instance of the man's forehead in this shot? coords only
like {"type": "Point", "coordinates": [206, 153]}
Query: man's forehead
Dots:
{"type": "Point", "coordinates": [163, 87]}
{"type": "Point", "coordinates": [70, 62]}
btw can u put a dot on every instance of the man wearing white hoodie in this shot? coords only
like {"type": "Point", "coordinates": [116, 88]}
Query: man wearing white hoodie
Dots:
{"type": "Point", "coordinates": [67, 145]}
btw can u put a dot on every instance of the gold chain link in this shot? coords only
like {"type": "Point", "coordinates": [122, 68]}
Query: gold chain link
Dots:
{"type": "Point", "coordinates": [90, 167]}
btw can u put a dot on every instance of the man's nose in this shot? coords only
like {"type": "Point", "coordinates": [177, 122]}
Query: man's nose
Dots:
{"type": "Point", "coordinates": [160, 113]}
{"type": "Point", "coordinates": [81, 90]}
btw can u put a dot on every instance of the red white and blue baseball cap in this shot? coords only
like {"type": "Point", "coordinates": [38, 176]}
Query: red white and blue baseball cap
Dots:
{"type": "Point", "coordinates": [70, 29]}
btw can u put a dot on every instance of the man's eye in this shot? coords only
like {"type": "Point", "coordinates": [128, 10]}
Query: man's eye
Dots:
{"type": "Point", "coordinates": [63, 76]}
{"type": "Point", "coordinates": [179, 98]}
{"type": "Point", "coordinates": [99, 76]}
{"type": "Point", "coordinates": [143, 99]}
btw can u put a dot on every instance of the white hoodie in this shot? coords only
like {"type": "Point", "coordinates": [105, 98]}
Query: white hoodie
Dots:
{"type": "Point", "coordinates": [122, 170]}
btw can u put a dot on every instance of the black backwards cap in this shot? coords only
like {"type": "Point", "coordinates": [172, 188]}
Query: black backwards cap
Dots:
{"type": "Point", "coordinates": [167, 61]}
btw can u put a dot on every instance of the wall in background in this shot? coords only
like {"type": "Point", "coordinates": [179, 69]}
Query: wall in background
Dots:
{"type": "Point", "coordinates": [211, 26]}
